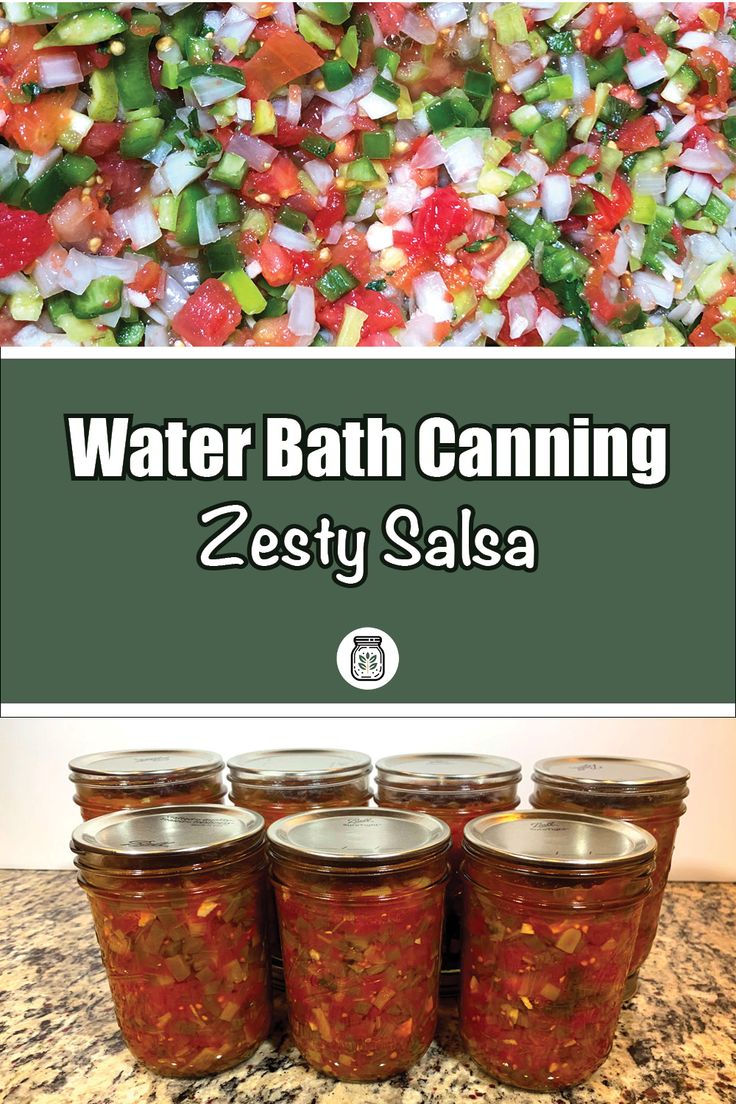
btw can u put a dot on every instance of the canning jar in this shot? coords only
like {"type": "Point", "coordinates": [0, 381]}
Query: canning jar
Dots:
{"type": "Point", "coordinates": [360, 901]}
{"type": "Point", "coordinates": [278, 783]}
{"type": "Point", "coordinates": [456, 788]}
{"type": "Point", "coordinates": [553, 902]}
{"type": "Point", "coordinates": [367, 659]}
{"type": "Point", "coordinates": [648, 793]}
{"type": "Point", "coordinates": [111, 780]}
{"type": "Point", "coordinates": [178, 900]}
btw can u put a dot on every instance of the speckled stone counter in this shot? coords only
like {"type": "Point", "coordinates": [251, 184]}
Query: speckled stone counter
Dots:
{"type": "Point", "coordinates": [59, 1041]}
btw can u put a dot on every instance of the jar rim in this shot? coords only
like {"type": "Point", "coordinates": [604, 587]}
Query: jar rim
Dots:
{"type": "Point", "coordinates": [610, 774]}
{"type": "Point", "coordinates": [367, 639]}
{"type": "Point", "coordinates": [297, 766]}
{"type": "Point", "coordinates": [358, 837]}
{"type": "Point", "coordinates": [556, 841]}
{"type": "Point", "coordinates": [446, 770]}
{"type": "Point", "coordinates": [138, 840]}
{"type": "Point", "coordinates": [144, 766]}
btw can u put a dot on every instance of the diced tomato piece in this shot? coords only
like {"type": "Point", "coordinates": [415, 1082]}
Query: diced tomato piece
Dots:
{"type": "Point", "coordinates": [8, 326]}
{"type": "Point", "coordinates": [150, 280]}
{"type": "Point", "coordinates": [382, 313]}
{"type": "Point", "coordinates": [91, 57]}
{"type": "Point", "coordinates": [124, 179]}
{"type": "Point", "coordinates": [101, 139]}
{"type": "Point", "coordinates": [388, 16]}
{"type": "Point", "coordinates": [713, 69]}
{"type": "Point", "coordinates": [638, 45]}
{"type": "Point", "coordinates": [502, 106]}
{"type": "Point", "coordinates": [282, 58]}
{"type": "Point", "coordinates": [288, 135]}
{"type": "Point", "coordinates": [36, 126]}
{"type": "Point", "coordinates": [637, 135]}
{"type": "Point", "coordinates": [276, 263]}
{"type": "Point", "coordinates": [605, 20]}
{"type": "Point", "coordinates": [275, 184]}
{"type": "Point", "coordinates": [703, 336]}
{"type": "Point", "coordinates": [629, 95]}
{"type": "Point", "coordinates": [609, 212]}
{"type": "Point", "coordinates": [352, 252]}
{"type": "Point", "coordinates": [699, 136]}
{"type": "Point", "coordinates": [269, 332]}
{"type": "Point", "coordinates": [25, 235]}
{"type": "Point", "coordinates": [526, 281]}
{"type": "Point", "coordinates": [210, 316]}
{"type": "Point", "coordinates": [331, 213]}
{"type": "Point", "coordinates": [379, 341]}
{"type": "Point", "coordinates": [442, 217]}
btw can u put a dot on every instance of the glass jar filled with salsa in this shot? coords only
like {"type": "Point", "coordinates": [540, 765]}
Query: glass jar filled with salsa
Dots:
{"type": "Point", "coordinates": [552, 908]}
{"type": "Point", "coordinates": [178, 900]}
{"type": "Point", "coordinates": [279, 783]}
{"type": "Point", "coordinates": [107, 781]}
{"type": "Point", "coordinates": [456, 788]}
{"type": "Point", "coordinates": [360, 896]}
{"type": "Point", "coordinates": [648, 793]}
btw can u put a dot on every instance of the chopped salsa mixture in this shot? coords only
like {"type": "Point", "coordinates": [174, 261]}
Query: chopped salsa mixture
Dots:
{"type": "Point", "coordinates": [455, 816]}
{"type": "Point", "coordinates": [661, 820]}
{"type": "Point", "coordinates": [544, 971]}
{"type": "Point", "coordinates": [367, 174]}
{"type": "Point", "coordinates": [361, 965]}
{"type": "Point", "coordinates": [188, 969]}
{"type": "Point", "coordinates": [97, 799]}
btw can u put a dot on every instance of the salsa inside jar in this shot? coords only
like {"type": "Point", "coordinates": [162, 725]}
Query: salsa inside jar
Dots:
{"type": "Point", "coordinates": [182, 935]}
{"type": "Point", "coordinates": [645, 792]}
{"type": "Point", "coordinates": [108, 781]}
{"type": "Point", "coordinates": [553, 903]}
{"type": "Point", "coordinates": [360, 898]}
{"type": "Point", "coordinates": [457, 788]}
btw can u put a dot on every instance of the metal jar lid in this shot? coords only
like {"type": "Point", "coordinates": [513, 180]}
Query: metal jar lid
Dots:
{"type": "Point", "coordinates": [558, 841]}
{"type": "Point", "coordinates": [446, 771]}
{"type": "Point", "coordinates": [167, 836]}
{"type": "Point", "coordinates": [358, 837]}
{"type": "Point", "coordinates": [609, 774]}
{"type": "Point", "coordinates": [143, 767]}
{"type": "Point", "coordinates": [297, 766]}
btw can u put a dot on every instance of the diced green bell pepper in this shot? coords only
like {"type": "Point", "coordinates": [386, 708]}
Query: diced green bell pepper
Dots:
{"type": "Point", "coordinates": [103, 295]}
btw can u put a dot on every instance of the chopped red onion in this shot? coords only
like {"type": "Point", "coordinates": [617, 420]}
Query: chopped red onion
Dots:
{"type": "Point", "coordinates": [677, 185]}
{"type": "Point", "coordinates": [446, 15]}
{"type": "Point", "coordinates": [430, 153]}
{"type": "Point", "coordinates": [234, 31]}
{"type": "Point", "coordinates": [138, 223]}
{"type": "Point", "coordinates": [320, 173]}
{"type": "Point", "coordinates": [212, 90]}
{"type": "Point", "coordinates": [258, 154]}
{"type": "Point", "coordinates": [679, 130]}
{"type": "Point", "coordinates": [526, 77]}
{"type": "Point", "coordinates": [646, 70]}
{"type": "Point", "coordinates": [652, 291]}
{"type": "Point", "coordinates": [207, 229]}
{"type": "Point", "coordinates": [301, 312]}
{"type": "Point", "coordinates": [419, 28]}
{"type": "Point", "coordinates": [523, 313]}
{"type": "Point", "coordinates": [573, 65]}
{"type": "Point", "coordinates": [711, 159]}
{"type": "Point", "coordinates": [432, 297]}
{"type": "Point", "coordinates": [292, 239]}
{"type": "Point", "coordinates": [58, 70]}
{"type": "Point", "coordinates": [556, 197]}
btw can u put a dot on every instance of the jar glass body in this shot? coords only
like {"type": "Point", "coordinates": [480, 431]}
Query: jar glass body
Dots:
{"type": "Point", "coordinates": [545, 962]}
{"type": "Point", "coordinates": [367, 660]}
{"type": "Point", "coordinates": [657, 813]}
{"type": "Point", "coordinates": [456, 807]}
{"type": "Point", "coordinates": [98, 796]}
{"type": "Point", "coordinates": [361, 955]}
{"type": "Point", "coordinates": [186, 957]}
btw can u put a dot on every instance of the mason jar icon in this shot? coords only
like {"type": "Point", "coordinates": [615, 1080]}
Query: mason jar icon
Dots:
{"type": "Point", "coordinates": [368, 661]}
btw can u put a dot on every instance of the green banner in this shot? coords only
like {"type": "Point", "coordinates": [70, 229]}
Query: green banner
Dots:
{"type": "Point", "coordinates": [512, 531]}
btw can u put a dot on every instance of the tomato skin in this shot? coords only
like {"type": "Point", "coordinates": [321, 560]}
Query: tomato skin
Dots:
{"type": "Point", "coordinates": [209, 317]}
{"type": "Point", "coordinates": [609, 212]}
{"type": "Point", "coordinates": [25, 236]}
{"type": "Point", "coordinates": [442, 217]}
{"type": "Point", "coordinates": [150, 280]}
{"type": "Point", "coordinates": [637, 135]}
{"type": "Point", "coordinates": [282, 58]}
{"type": "Point", "coordinates": [712, 67]}
{"type": "Point", "coordinates": [101, 139]}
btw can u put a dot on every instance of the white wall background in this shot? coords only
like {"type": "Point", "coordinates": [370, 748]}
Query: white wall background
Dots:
{"type": "Point", "coordinates": [37, 814]}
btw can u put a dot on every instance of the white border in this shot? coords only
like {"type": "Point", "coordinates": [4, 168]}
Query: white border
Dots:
{"type": "Point", "coordinates": [486, 354]}
{"type": "Point", "coordinates": [362, 709]}
{"type": "Point", "coordinates": [258, 710]}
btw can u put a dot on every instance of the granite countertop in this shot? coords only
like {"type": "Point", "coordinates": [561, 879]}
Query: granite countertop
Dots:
{"type": "Point", "coordinates": [59, 1040]}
